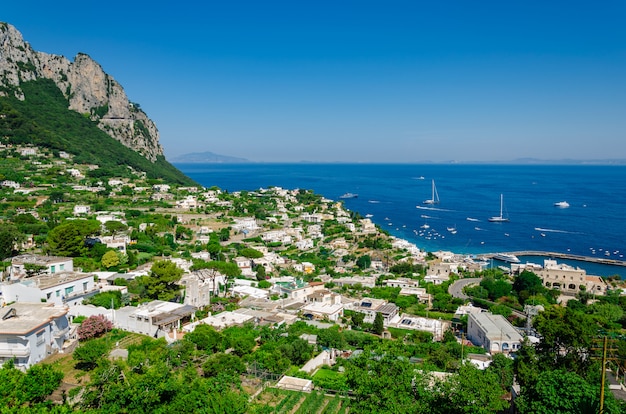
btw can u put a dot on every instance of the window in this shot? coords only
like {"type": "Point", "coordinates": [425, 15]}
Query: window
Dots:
{"type": "Point", "coordinates": [85, 286]}
{"type": "Point", "coordinates": [69, 290]}
{"type": "Point", "coordinates": [61, 267]}
{"type": "Point", "coordinates": [58, 293]}
{"type": "Point", "coordinates": [52, 269]}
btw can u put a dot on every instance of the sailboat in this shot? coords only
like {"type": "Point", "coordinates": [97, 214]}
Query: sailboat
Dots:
{"type": "Point", "coordinates": [500, 218]}
{"type": "Point", "coordinates": [434, 199]}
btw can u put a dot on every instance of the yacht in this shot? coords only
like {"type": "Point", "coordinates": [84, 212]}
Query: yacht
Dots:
{"type": "Point", "coordinates": [500, 218]}
{"type": "Point", "coordinates": [505, 257]}
{"type": "Point", "coordinates": [434, 199]}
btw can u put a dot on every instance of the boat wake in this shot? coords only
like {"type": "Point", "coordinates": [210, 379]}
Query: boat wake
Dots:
{"type": "Point", "coordinates": [373, 201]}
{"type": "Point", "coordinates": [472, 219]}
{"type": "Point", "coordinates": [555, 231]}
{"type": "Point", "coordinates": [432, 208]}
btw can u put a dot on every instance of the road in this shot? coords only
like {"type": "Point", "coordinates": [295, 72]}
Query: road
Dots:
{"type": "Point", "coordinates": [456, 289]}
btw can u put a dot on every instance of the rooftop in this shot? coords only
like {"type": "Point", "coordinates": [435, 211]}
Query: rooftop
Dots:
{"type": "Point", "coordinates": [22, 318]}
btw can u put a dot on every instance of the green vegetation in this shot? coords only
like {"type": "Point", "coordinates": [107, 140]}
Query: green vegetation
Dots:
{"type": "Point", "coordinates": [43, 119]}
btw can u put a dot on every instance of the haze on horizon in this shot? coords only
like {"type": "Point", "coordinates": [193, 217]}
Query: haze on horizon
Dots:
{"type": "Point", "coordinates": [359, 81]}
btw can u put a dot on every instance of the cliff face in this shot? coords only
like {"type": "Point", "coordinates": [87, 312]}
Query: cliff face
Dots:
{"type": "Point", "coordinates": [87, 87]}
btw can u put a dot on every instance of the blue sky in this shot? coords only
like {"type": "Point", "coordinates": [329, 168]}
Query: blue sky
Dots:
{"type": "Point", "coordinates": [358, 81]}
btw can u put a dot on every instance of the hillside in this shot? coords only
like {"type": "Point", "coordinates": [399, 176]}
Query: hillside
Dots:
{"type": "Point", "coordinates": [74, 106]}
{"type": "Point", "coordinates": [42, 119]}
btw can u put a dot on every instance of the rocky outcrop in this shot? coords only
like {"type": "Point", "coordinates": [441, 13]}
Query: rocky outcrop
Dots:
{"type": "Point", "coordinates": [87, 87]}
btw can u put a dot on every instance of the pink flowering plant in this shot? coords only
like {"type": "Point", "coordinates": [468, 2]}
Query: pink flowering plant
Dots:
{"type": "Point", "coordinates": [93, 327]}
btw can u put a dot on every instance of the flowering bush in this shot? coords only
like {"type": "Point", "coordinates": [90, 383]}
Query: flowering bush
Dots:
{"type": "Point", "coordinates": [93, 327]}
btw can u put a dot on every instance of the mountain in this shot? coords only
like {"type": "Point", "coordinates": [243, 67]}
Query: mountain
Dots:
{"type": "Point", "coordinates": [207, 158]}
{"type": "Point", "coordinates": [48, 100]}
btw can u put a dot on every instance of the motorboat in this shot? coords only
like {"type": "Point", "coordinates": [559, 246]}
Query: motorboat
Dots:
{"type": "Point", "coordinates": [561, 204]}
{"type": "Point", "coordinates": [349, 195]}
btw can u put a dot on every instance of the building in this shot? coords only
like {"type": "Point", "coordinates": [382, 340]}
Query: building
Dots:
{"type": "Point", "coordinates": [29, 332]}
{"type": "Point", "coordinates": [201, 285]}
{"type": "Point", "coordinates": [493, 332]}
{"type": "Point", "coordinates": [569, 280]}
{"type": "Point", "coordinates": [47, 264]}
{"type": "Point", "coordinates": [67, 288]}
{"type": "Point", "coordinates": [437, 327]}
{"type": "Point", "coordinates": [156, 318]}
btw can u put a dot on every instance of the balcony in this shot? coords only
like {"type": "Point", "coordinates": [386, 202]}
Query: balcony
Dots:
{"type": "Point", "coordinates": [8, 351]}
{"type": "Point", "coordinates": [58, 333]}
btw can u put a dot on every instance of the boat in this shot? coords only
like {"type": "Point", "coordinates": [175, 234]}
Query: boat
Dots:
{"type": "Point", "coordinates": [434, 199]}
{"type": "Point", "coordinates": [561, 204]}
{"type": "Point", "coordinates": [451, 229]}
{"type": "Point", "coordinates": [349, 195]}
{"type": "Point", "coordinates": [500, 218]}
{"type": "Point", "coordinates": [505, 257]}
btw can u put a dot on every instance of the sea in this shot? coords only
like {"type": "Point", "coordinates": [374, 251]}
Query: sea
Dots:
{"type": "Point", "coordinates": [393, 195]}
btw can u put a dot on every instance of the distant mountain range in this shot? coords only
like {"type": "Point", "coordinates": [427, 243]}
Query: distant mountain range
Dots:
{"type": "Point", "coordinates": [207, 158]}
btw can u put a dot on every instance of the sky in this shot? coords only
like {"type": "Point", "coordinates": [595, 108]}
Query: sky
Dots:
{"type": "Point", "coordinates": [358, 81]}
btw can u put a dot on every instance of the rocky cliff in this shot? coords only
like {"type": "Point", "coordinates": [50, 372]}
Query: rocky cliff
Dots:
{"type": "Point", "coordinates": [87, 87]}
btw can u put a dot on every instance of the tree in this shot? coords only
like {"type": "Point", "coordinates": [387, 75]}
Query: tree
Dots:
{"type": "Point", "coordinates": [379, 325]}
{"type": "Point", "coordinates": [221, 363]}
{"type": "Point", "coordinates": [527, 284]}
{"type": "Point", "coordinates": [93, 327]}
{"type": "Point", "coordinates": [469, 391]}
{"type": "Point", "coordinates": [10, 237]}
{"type": "Point", "coordinates": [562, 392]}
{"type": "Point", "coordinates": [357, 319]}
{"type": "Point", "coordinates": [250, 253]}
{"type": "Point", "coordinates": [110, 259]}
{"type": "Point", "coordinates": [88, 354]}
{"type": "Point", "coordinates": [364, 262]}
{"type": "Point", "coordinates": [387, 385]}
{"type": "Point", "coordinates": [68, 238]}
{"type": "Point", "coordinates": [566, 338]}
{"type": "Point", "coordinates": [502, 367]}
{"type": "Point", "coordinates": [33, 269]}
{"type": "Point", "coordinates": [260, 272]}
{"type": "Point", "coordinates": [113, 227]}
{"type": "Point", "coordinates": [161, 283]}
{"type": "Point", "coordinates": [205, 337]}
{"type": "Point", "coordinates": [40, 381]}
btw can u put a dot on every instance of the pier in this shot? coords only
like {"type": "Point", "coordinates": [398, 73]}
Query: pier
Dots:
{"type": "Point", "coordinates": [590, 259]}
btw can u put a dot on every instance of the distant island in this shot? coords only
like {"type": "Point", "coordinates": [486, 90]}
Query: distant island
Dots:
{"type": "Point", "coordinates": [207, 157]}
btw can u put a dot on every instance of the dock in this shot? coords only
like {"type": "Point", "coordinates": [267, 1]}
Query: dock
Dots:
{"type": "Point", "coordinates": [590, 259]}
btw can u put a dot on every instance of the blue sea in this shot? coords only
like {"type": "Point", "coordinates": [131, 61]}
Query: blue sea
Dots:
{"type": "Point", "coordinates": [593, 225]}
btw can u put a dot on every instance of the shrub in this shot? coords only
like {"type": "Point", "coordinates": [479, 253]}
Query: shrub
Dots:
{"type": "Point", "coordinates": [93, 327]}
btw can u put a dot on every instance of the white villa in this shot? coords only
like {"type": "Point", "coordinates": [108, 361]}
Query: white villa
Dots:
{"type": "Point", "coordinates": [29, 332]}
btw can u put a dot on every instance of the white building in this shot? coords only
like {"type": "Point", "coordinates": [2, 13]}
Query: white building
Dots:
{"type": "Point", "coordinates": [80, 210]}
{"type": "Point", "coordinates": [67, 288]}
{"type": "Point", "coordinates": [156, 318]}
{"type": "Point", "coordinates": [50, 264]}
{"type": "Point", "coordinates": [29, 332]}
{"type": "Point", "coordinates": [201, 285]}
{"type": "Point", "coordinates": [493, 332]}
